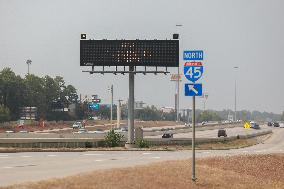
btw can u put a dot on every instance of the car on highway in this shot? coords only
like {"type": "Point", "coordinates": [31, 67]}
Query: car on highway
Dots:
{"type": "Point", "coordinates": [254, 125]}
{"type": "Point", "coordinates": [168, 135]}
{"type": "Point", "coordinates": [276, 124]}
{"type": "Point", "coordinates": [99, 131]}
{"type": "Point", "coordinates": [82, 130]}
{"type": "Point", "coordinates": [281, 125]}
{"type": "Point", "coordinates": [77, 125]}
{"type": "Point", "coordinates": [222, 132]}
{"type": "Point", "coordinates": [204, 122]}
{"type": "Point", "coordinates": [269, 124]}
{"type": "Point", "coordinates": [187, 124]}
{"type": "Point", "coordinates": [124, 129]}
{"type": "Point", "coordinates": [9, 131]}
{"type": "Point", "coordinates": [23, 131]}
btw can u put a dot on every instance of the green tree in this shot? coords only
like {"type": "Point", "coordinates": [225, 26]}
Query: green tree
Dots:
{"type": "Point", "coordinates": [4, 113]}
{"type": "Point", "coordinates": [11, 91]}
{"type": "Point", "coordinates": [208, 116]}
{"type": "Point", "coordinates": [34, 93]}
{"type": "Point", "coordinates": [149, 114]}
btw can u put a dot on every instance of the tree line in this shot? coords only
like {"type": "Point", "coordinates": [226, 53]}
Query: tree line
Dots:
{"type": "Point", "coordinates": [32, 91]}
{"type": "Point", "coordinates": [49, 94]}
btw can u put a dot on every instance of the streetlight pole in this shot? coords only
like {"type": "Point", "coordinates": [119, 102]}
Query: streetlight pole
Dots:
{"type": "Point", "coordinates": [236, 67]}
{"type": "Point", "coordinates": [118, 113]}
{"type": "Point", "coordinates": [111, 90]}
{"type": "Point", "coordinates": [29, 62]}
{"type": "Point", "coordinates": [178, 80]}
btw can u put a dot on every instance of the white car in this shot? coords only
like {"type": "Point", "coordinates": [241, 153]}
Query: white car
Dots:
{"type": "Point", "coordinates": [99, 131]}
{"type": "Point", "coordinates": [83, 130]}
{"type": "Point", "coordinates": [9, 131]}
{"type": "Point", "coordinates": [23, 131]}
{"type": "Point", "coordinates": [281, 125]}
{"type": "Point", "coordinates": [77, 125]}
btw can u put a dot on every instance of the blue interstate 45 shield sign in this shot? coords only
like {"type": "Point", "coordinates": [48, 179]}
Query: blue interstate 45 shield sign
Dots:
{"type": "Point", "coordinates": [193, 71]}
{"type": "Point", "coordinates": [193, 89]}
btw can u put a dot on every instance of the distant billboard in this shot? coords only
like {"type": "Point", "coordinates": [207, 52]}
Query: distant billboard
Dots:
{"type": "Point", "coordinates": [163, 53]}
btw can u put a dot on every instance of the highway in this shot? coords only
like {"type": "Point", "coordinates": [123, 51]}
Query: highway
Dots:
{"type": "Point", "coordinates": [32, 166]}
{"type": "Point", "coordinates": [213, 133]}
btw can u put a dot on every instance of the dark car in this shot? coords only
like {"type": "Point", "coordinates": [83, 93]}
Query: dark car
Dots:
{"type": "Point", "coordinates": [255, 126]}
{"type": "Point", "coordinates": [276, 124]}
{"type": "Point", "coordinates": [167, 135]}
{"type": "Point", "coordinates": [222, 132]}
{"type": "Point", "coordinates": [269, 124]}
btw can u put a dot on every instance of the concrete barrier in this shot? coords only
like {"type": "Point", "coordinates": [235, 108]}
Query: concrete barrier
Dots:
{"type": "Point", "coordinates": [92, 143]}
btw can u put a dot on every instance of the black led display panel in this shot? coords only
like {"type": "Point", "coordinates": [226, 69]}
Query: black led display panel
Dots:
{"type": "Point", "coordinates": [129, 53]}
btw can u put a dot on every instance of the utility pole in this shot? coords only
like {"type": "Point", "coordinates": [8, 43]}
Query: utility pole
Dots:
{"type": "Point", "coordinates": [178, 118]}
{"type": "Point", "coordinates": [236, 67]}
{"type": "Point", "coordinates": [111, 90]}
{"type": "Point", "coordinates": [118, 113]}
{"type": "Point", "coordinates": [29, 62]}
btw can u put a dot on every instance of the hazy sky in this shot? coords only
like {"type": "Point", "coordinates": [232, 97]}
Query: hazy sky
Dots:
{"type": "Point", "coordinates": [244, 33]}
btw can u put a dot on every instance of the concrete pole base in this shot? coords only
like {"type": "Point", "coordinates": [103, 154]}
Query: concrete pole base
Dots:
{"type": "Point", "coordinates": [129, 145]}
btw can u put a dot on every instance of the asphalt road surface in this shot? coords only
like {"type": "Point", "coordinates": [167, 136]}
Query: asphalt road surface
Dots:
{"type": "Point", "coordinates": [32, 166]}
{"type": "Point", "coordinates": [214, 132]}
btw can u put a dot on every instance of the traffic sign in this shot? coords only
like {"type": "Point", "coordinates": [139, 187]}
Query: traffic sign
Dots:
{"type": "Point", "coordinates": [193, 55]}
{"type": "Point", "coordinates": [246, 125]}
{"type": "Point", "coordinates": [193, 71]}
{"type": "Point", "coordinates": [94, 106]}
{"type": "Point", "coordinates": [193, 89]}
{"type": "Point", "coordinates": [176, 77]}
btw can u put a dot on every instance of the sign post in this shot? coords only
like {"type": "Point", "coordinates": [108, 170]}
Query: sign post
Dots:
{"type": "Point", "coordinates": [193, 139]}
{"type": "Point", "coordinates": [193, 71]}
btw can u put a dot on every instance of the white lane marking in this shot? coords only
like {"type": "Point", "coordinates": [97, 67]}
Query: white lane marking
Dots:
{"type": "Point", "coordinates": [156, 157]}
{"type": "Point", "coordinates": [51, 155]}
{"type": "Point", "coordinates": [99, 160]}
{"type": "Point", "coordinates": [26, 156]}
{"type": "Point", "coordinates": [257, 151]}
{"type": "Point", "coordinates": [206, 152]}
{"type": "Point", "coordinates": [3, 155]}
{"type": "Point", "coordinates": [92, 154]}
{"type": "Point", "coordinates": [7, 167]}
{"type": "Point", "coordinates": [245, 151]}
{"type": "Point", "coordinates": [146, 153]}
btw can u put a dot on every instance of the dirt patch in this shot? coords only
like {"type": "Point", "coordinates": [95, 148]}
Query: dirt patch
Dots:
{"type": "Point", "coordinates": [237, 172]}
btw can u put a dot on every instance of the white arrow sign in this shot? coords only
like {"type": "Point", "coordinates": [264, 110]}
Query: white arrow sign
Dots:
{"type": "Point", "coordinates": [191, 87]}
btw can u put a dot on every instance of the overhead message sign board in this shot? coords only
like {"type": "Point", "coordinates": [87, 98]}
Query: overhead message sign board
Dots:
{"type": "Point", "coordinates": [163, 53]}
